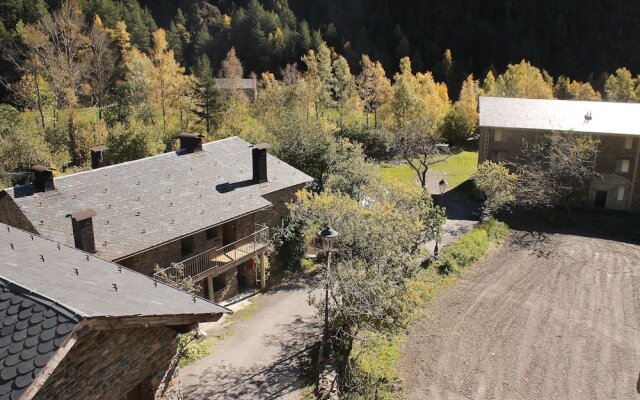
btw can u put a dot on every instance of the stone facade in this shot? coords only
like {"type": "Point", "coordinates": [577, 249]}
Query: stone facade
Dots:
{"type": "Point", "coordinates": [274, 216]}
{"type": "Point", "coordinates": [229, 232]}
{"type": "Point", "coordinates": [136, 363]}
{"type": "Point", "coordinates": [11, 215]}
{"type": "Point", "coordinates": [618, 161]}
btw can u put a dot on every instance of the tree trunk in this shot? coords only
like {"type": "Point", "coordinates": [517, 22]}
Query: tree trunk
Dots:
{"type": "Point", "coordinates": [72, 138]}
{"type": "Point", "coordinates": [39, 102]}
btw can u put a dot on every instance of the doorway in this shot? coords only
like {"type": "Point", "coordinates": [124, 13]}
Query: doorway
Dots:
{"type": "Point", "coordinates": [228, 233]}
{"type": "Point", "coordinates": [601, 198]}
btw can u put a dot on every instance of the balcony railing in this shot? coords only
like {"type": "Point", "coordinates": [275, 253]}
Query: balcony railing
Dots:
{"type": "Point", "coordinates": [203, 264]}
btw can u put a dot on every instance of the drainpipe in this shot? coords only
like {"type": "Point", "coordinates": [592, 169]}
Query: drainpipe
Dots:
{"type": "Point", "coordinates": [635, 174]}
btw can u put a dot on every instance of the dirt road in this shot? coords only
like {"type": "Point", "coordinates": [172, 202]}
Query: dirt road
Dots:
{"type": "Point", "coordinates": [551, 317]}
{"type": "Point", "coordinates": [263, 357]}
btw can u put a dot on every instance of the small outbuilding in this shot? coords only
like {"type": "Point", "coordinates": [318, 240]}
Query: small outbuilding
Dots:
{"type": "Point", "coordinates": [74, 326]}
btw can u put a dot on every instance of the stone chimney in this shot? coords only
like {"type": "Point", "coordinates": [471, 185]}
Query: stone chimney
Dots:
{"type": "Point", "coordinates": [189, 143]}
{"type": "Point", "coordinates": [99, 157]}
{"type": "Point", "coordinates": [82, 222]}
{"type": "Point", "coordinates": [42, 178]}
{"type": "Point", "coordinates": [259, 155]}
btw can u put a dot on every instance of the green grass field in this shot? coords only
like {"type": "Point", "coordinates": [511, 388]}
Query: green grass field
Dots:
{"type": "Point", "coordinates": [456, 169]}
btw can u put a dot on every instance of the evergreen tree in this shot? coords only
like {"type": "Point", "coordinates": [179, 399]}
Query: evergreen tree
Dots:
{"type": "Point", "coordinates": [621, 86]}
{"type": "Point", "coordinates": [205, 93]}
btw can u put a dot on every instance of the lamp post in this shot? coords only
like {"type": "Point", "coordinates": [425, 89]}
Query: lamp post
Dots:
{"type": "Point", "coordinates": [443, 188]}
{"type": "Point", "coordinates": [328, 236]}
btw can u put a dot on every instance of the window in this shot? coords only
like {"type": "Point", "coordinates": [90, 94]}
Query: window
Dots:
{"type": "Point", "coordinates": [186, 246]}
{"type": "Point", "coordinates": [620, 196]}
{"type": "Point", "coordinates": [497, 135]}
{"type": "Point", "coordinates": [498, 156]}
{"type": "Point", "coordinates": [628, 142]}
{"type": "Point", "coordinates": [623, 166]}
{"type": "Point", "coordinates": [211, 233]}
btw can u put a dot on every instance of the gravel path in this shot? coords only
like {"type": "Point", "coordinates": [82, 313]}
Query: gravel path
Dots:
{"type": "Point", "coordinates": [263, 357]}
{"type": "Point", "coordinates": [544, 317]}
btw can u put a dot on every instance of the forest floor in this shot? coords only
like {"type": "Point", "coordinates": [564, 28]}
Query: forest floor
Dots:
{"type": "Point", "coordinates": [551, 316]}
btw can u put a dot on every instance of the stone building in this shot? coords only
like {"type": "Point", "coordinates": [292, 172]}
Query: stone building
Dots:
{"type": "Point", "coordinates": [73, 326]}
{"type": "Point", "coordinates": [247, 86]}
{"type": "Point", "coordinates": [506, 122]}
{"type": "Point", "coordinates": [207, 207]}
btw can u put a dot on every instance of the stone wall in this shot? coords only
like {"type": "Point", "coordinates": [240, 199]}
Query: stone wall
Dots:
{"type": "Point", "coordinates": [274, 216]}
{"type": "Point", "coordinates": [225, 285]}
{"type": "Point", "coordinates": [11, 215]}
{"type": "Point", "coordinates": [171, 252]}
{"type": "Point", "coordinates": [242, 227]}
{"type": "Point", "coordinates": [109, 364]}
{"type": "Point", "coordinates": [611, 150]}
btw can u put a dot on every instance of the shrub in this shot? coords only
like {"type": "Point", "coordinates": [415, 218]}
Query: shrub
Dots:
{"type": "Point", "coordinates": [375, 142]}
{"type": "Point", "coordinates": [470, 247]}
{"type": "Point", "coordinates": [289, 243]}
{"type": "Point", "coordinates": [455, 128]}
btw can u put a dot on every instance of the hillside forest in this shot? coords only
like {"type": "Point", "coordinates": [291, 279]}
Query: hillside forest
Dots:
{"type": "Point", "coordinates": [132, 75]}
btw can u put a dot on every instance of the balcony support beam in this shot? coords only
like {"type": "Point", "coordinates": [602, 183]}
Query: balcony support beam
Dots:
{"type": "Point", "coordinates": [210, 287]}
{"type": "Point", "coordinates": [263, 272]}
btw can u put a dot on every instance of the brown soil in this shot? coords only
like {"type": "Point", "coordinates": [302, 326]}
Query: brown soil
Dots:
{"type": "Point", "coordinates": [543, 317]}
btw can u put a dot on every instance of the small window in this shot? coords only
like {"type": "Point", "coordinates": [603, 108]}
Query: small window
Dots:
{"type": "Point", "coordinates": [498, 156]}
{"type": "Point", "coordinates": [628, 142]}
{"type": "Point", "coordinates": [497, 135]}
{"type": "Point", "coordinates": [620, 196]}
{"type": "Point", "coordinates": [186, 246]}
{"type": "Point", "coordinates": [211, 233]}
{"type": "Point", "coordinates": [623, 166]}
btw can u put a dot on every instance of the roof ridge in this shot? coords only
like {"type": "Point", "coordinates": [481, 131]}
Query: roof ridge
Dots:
{"type": "Point", "coordinates": [66, 310]}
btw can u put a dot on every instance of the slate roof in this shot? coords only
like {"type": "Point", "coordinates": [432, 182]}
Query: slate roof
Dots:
{"type": "Point", "coordinates": [560, 115]}
{"type": "Point", "coordinates": [227, 83]}
{"type": "Point", "coordinates": [148, 202]}
{"type": "Point", "coordinates": [32, 329]}
{"type": "Point", "coordinates": [47, 289]}
{"type": "Point", "coordinates": [84, 283]}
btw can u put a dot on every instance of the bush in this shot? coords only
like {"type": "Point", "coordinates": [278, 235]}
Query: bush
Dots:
{"type": "Point", "coordinates": [375, 142]}
{"type": "Point", "coordinates": [289, 243]}
{"type": "Point", "coordinates": [470, 247]}
{"type": "Point", "coordinates": [455, 128]}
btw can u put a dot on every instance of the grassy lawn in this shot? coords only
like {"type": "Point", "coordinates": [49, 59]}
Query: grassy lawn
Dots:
{"type": "Point", "coordinates": [456, 169]}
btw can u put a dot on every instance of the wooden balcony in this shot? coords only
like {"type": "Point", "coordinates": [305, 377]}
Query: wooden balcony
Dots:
{"type": "Point", "coordinates": [216, 261]}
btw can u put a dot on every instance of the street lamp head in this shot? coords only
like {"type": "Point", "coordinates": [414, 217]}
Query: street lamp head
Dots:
{"type": "Point", "coordinates": [443, 186]}
{"type": "Point", "coordinates": [328, 236]}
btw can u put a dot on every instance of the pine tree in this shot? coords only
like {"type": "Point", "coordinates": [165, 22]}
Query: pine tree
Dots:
{"type": "Point", "coordinates": [205, 92]}
{"type": "Point", "coordinates": [620, 86]}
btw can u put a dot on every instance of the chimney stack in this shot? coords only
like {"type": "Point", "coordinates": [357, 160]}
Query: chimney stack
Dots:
{"type": "Point", "coordinates": [99, 157]}
{"type": "Point", "coordinates": [42, 178]}
{"type": "Point", "coordinates": [259, 155]}
{"type": "Point", "coordinates": [82, 222]}
{"type": "Point", "coordinates": [190, 143]}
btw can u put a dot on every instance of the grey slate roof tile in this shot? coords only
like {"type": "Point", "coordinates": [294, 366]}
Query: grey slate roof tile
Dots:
{"type": "Point", "coordinates": [27, 343]}
{"type": "Point", "coordinates": [88, 294]}
{"type": "Point", "coordinates": [560, 115]}
{"type": "Point", "coordinates": [147, 202]}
